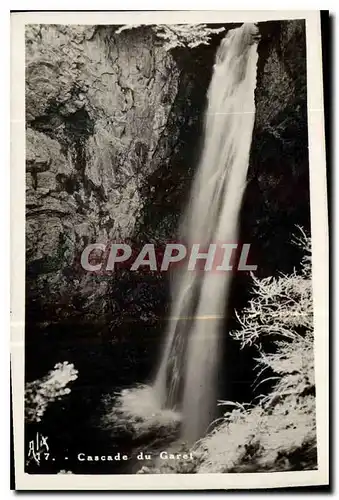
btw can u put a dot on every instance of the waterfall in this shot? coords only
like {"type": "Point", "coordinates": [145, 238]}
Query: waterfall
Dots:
{"type": "Point", "coordinates": [187, 378]}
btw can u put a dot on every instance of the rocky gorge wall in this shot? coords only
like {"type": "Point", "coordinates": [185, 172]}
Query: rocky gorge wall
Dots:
{"type": "Point", "coordinates": [97, 106]}
{"type": "Point", "coordinates": [277, 198]}
{"type": "Point", "coordinates": [113, 136]}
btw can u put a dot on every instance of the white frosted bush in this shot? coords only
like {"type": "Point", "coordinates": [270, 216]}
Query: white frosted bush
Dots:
{"type": "Point", "coordinates": [40, 393]}
{"type": "Point", "coordinates": [180, 35]}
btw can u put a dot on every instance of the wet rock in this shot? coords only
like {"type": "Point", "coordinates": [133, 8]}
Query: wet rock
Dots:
{"type": "Point", "coordinates": [93, 125]}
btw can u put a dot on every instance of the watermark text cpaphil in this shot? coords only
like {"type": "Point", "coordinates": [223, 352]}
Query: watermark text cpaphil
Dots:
{"type": "Point", "coordinates": [215, 257]}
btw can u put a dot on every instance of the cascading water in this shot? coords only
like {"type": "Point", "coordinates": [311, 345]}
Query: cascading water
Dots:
{"type": "Point", "coordinates": [187, 376]}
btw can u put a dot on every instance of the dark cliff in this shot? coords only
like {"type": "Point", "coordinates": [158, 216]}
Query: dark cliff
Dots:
{"type": "Point", "coordinates": [277, 196]}
{"type": "Point", "coordinates": [93, 124]}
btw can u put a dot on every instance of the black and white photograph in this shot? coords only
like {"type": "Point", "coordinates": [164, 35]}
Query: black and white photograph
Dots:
{"type": "Point", "coordinates": [170, 198]}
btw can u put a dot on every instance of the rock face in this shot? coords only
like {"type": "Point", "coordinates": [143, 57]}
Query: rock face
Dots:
{"type": "Point", "coordinates": [277, 196]}
{"type": "Point", "coordinates": [97, 108]}
{"type": "Point", "coordinates": [113, 128]}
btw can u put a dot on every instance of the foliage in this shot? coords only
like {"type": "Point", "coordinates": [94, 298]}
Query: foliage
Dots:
{"type": "Point", "coordinates": [180, 35]}
{"type": "Point", "coordinates": [280, 306]}
{"type": "Point", "coordinates": [40, 393]}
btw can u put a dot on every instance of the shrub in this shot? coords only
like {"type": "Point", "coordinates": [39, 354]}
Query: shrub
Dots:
{"type": "Point", "coordinates": [40, 393]}
{"type": "Point", "coordinates": [180, 35]}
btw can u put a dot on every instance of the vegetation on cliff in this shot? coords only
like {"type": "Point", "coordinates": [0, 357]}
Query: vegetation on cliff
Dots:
{"type": "Point", "coordinates": [180, 35]}
{"type": "Point", "coordinates": [42, 392]}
